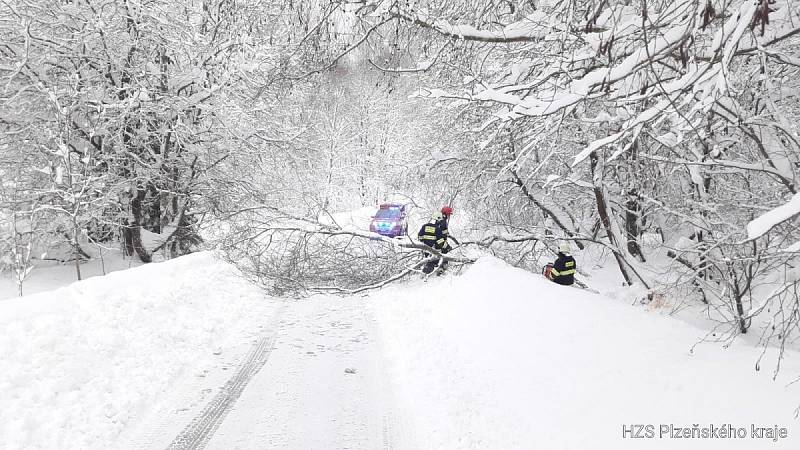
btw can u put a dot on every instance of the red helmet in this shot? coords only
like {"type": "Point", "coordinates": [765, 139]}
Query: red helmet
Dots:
{"type": "Point", "coordinates": [446, 210]}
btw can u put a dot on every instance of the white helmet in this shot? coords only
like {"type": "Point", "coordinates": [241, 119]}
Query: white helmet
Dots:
{"type": "Point", "coordinates": [437, 216]}
{"type": "Point", "coordinates": [564, 248]}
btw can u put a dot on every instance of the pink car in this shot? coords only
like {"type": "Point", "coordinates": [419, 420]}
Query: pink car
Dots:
{"type": "Point", "coordinates": [390, 220]}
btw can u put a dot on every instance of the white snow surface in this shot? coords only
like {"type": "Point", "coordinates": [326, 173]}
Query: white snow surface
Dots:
{"type": "Point", "coordinates": [81, 363]}
{"type": "Point", "coordinates": [765, 222]}
{"type": "Point", "coordinates": [49, 275]}
{"type": "Point", "coordinates": [494, 357]}
{"type": "Point", "coordinates": [502, 358]}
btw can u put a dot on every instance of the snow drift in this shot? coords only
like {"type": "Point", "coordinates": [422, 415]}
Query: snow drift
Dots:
{"type": "Point", "coordinates": [502, 358]}
{"type": "Point", "coordinates": [80, 363]}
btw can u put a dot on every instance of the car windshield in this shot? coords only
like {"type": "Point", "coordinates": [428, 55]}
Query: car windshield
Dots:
{"type": "Point", "coordinates": [389, 213]}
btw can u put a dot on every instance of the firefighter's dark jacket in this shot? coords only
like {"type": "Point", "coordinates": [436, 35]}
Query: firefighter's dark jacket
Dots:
{"type": "Point", "coordinates": [434, 234]}
{"type": "Point", "coordinates": [563, 271]}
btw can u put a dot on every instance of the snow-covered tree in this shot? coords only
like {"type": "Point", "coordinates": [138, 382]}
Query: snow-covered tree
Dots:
{"type": "Point", "coordinates": [613, 121]}
{"type": "Point", "coordinates": [126, 93]}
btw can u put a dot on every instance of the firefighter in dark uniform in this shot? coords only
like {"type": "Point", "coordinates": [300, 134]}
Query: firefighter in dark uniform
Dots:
{"type": "Point", "coordinates": [435, 234]}
{"type": "Point", "coordinates": [562, 270]}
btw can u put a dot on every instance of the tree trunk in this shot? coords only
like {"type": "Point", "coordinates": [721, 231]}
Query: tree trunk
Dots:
{"type": "Point", "coordinates": [633, 209]}
{"type": "Point", "coordinates": [136, 228]}
{"type": "Point", "coordinates": [602, 210]}
{"type": "Point", "coordinates": [632, 217]}
{"type": "Point", "coordinates": [136, 239]}
{"type": "Point", "coordinates": [127, 239]}
{"type": "Point", "coordinates": [77, 244]}
{"type": "Point", "coordinates": [737, 297]}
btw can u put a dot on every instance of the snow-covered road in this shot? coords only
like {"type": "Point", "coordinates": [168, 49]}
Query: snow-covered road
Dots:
{"type": "Point", "coordinates": [184, 355]}
{"type": "Point", "coordinates": [324, 386]}
{"type": "Point", "coordinates": [497, 358]}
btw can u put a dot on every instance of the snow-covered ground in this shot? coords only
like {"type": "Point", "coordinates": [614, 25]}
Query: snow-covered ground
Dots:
{"type": "Point", "coordinates": [49, 274]}
{"type": "Point", "coordinates": [501, 358]}
{"type": "Point", "coordinates": [492, 358]}
{"type": "Point", "coordinates": [82, 363]}
{"type": "Point", "coordinates": [324, 386]}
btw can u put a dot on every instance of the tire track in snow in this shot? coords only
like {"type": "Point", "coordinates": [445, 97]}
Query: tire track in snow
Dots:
{"type": "Point", "coordinates": [200, 430]}
{"type": "Point", "coordinates": [394, 431]}
{"type": "Point", "coordinates": [307, 385]}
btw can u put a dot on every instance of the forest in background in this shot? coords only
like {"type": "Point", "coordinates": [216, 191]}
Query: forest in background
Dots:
{"type": "Point", "coordinates": [660, 133]}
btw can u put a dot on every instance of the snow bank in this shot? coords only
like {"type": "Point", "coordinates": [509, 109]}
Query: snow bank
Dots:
{"type": "Point", "coordinates": [81, 362]}
{"type": "Point", "coordinates": [502, 358]}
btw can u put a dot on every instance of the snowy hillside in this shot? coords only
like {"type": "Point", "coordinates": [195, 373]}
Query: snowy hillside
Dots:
{"type": "Point", "coordinates": [493, 358]}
